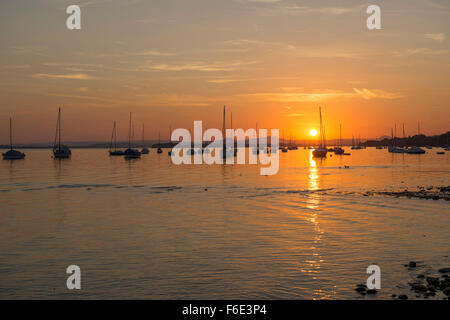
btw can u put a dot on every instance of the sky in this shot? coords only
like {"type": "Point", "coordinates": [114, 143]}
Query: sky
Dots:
{"type": "Point", "coordinates": [271, 62]}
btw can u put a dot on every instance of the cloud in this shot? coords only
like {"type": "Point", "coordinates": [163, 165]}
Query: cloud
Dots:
{"type": "Point", "coordinates": [300, 96]}
{"type": "Point", "coordinates": [364, 93]}
{"type": "Point", "coordinates": [295, 115]}
{"type": "Point", "coordinates": [74, 76]}
{"type": "Point", "coordinates": [303, 10]}
{"type": "Point", "coordinates": [439, 37]}
{"type": "Point", "coordinates": [204, 67]}
{"type": "Point", "coordinates": [376, 94]}
{"type": "Point", "coordinates": [18, 66]}
{"type": "Point", "coordinates": [416, 51]}
{"type": "Point", "coordinates": [138, 54]}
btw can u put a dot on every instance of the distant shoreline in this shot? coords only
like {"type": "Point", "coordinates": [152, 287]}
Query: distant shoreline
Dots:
{"type": "Point", "coordinates": [419, 140]}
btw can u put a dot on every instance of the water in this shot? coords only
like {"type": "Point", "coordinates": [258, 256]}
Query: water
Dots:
{"type": "Point", "coordinates": [148, 229]}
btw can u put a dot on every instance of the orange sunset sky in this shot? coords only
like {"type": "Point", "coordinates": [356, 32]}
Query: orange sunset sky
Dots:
{"type": "Point", "coordinates": [274, 62]}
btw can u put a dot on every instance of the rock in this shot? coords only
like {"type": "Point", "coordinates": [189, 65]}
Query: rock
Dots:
{"type": "Point", "coordinates": [433, 281]}
{"type": "Point", "coordinates": [403, 297]}
{"type": "Point", "coordinates": [444, 270]}
{"type": "Point", "coordinates": [446, 291]}
{"type": "Point", "coordinates": [418, 287]}
{"type": "Point", "coordinates": [412, 264]}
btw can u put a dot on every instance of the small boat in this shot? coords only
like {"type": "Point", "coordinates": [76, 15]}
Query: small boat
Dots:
{"type": "Point", "coordinates": [379, 147]}
{"type": "Point", "coordinates": [12, 154]}
{"type": "Point", "coordinates": [284, 149]}
{"type": "Point", "coordinates": [144, 149]}
{"type": "Point", "coordinates": [159, 150]}
{"type": "Point", "coordinates": [415, 150]}
{"type": "Point", "coordinates": [114, 152]}
{"type": "Point", "coordinates": [339, 150]}
{"type": "Point", "coordinates": [394, 149]}
{"type": "Point", "coordinates": [429, 147]}
{"type": "Point", "coordinates": [321, 151]}
{"type": "Point", "coordinates": [131, 153]}
{"type": "Point", "coordinates": [60, 151]}
{"type": "Point", "coordinates": [440, 152]}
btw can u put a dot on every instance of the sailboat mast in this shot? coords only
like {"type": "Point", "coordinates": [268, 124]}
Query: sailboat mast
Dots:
{"type": "Point", "coordinates": [10, 133]}
{"type": "Point", "coordinates": [340, 135]}
{"type": "Point", "coordinates": [142, 135]}
{"type": "Point", "coordinates": [112, 136]}
{"type": "Point", "coordinates": [231, 123]}
{"type": "Point", "coordinates": [257, 135]}
{"type": "Point", "coordinates": [223, 123]}
{"type": "Point", "coordinates": [115, 136]}
{"type": "Point", "coordinates": [129, 133]}
{"type": "Point", "coordinates": [321, 129]}
{"type": "Point", "coordinates": [59, 127]}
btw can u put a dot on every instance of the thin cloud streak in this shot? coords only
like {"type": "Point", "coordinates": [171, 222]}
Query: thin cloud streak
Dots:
{"type": "Point", "coordinates": [75, 76]}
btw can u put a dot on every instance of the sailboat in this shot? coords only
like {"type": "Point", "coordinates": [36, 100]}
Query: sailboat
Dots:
{"type": "Point", "coordinates": [60, 151]}
{"type": "Point", "coordinates": [256, 151]}
{"type": "Point", "coordinates": [321, 151]}
{"type": "Point", "coordinates": [131, 153]}
{"type": "Point", "coordinates": [12, 154]}
{"type": "Point", "coordinates": [114, 152]}
{"type": "Point", "coordinates": [144, 149]}
{"type": "Point", "coordinates": [393, 148]}
{"type": "Point", "coordinates": [339, 150]}
{"type": "Point", "coordinates": [159, 143]}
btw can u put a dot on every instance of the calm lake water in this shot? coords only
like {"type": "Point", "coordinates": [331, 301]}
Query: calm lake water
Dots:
{"type": "Point", "coordinates": [148, 229]}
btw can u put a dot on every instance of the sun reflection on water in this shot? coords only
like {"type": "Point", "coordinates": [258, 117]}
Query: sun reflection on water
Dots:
{"type": "Point", "coordinates": [313, 202]}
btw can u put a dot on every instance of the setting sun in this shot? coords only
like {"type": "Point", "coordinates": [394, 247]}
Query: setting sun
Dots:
{"type": "Point", "coordinates": [313, 132]}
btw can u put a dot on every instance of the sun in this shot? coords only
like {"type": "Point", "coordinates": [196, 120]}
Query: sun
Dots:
{"type": "Point", "coordinates": [313, 132]}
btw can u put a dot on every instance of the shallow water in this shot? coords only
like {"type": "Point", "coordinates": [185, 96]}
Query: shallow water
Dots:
{"type": "Point", "coordinates": [148, 229]}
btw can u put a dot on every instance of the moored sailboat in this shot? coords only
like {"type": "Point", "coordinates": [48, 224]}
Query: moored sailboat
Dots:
{"type": "Point", "coordinates": [114, 152]}
{"type": "Point", "coordinates": [321, 151]}
{"type": "Point", "coordinates": [131, 153]}
{"type": "Point", "coordinates": [339, 150]}
{"type": "Point", "coordinates": [60, 151]}
{"type": "Point", "coordinates": [12, 154]}
{"type": "Point", "coordinates": [144, 149]}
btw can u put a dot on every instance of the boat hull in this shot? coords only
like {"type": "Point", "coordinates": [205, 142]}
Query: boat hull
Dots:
{"type": "Point", "coordinates": [132, 154]}
{"type": "Point", "coordinates": [13, 155]}
{"type": "Point", "coordinates": [62, 153]}
{"type": "Point", "coordinates": [320, 153]}
{"type": "Point", "coordinates": [116, 153]}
